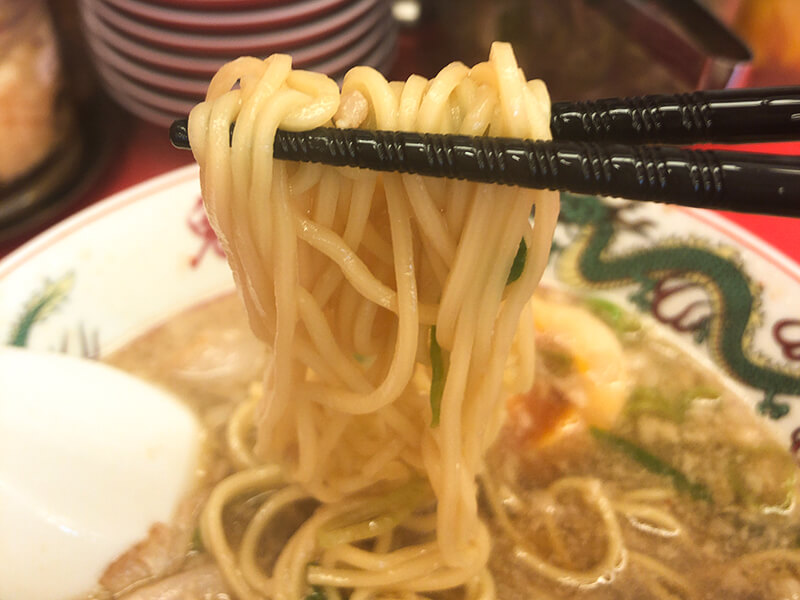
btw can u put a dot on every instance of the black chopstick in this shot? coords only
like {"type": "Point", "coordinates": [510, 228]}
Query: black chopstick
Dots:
{"type": "Point", "coordinates": [735, 181]}
{"type": "Point", "coordinates": [722, 116]}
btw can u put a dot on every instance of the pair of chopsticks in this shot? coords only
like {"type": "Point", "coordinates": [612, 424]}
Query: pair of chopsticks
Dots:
{"type": "Point", "coordinates": [625, 147]}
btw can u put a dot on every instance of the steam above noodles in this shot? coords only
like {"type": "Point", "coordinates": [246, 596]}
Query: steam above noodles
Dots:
{"type": "Point", "coordinates": [396, 310]}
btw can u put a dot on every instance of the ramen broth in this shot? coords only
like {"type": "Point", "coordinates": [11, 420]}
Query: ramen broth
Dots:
{"type": "Point", "coordinates": [704, 496]}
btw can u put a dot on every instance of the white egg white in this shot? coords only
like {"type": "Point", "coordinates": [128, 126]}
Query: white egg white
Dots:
{"type": "Point", "coordinates": [90, 458]}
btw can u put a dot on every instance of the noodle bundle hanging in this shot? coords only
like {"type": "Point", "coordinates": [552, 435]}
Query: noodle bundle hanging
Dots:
{"type": "Point", "coordinates": [396, 311]}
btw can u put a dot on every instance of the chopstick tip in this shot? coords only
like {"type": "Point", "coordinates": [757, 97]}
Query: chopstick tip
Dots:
{"type": "Point", "coordinates": [179, 134]}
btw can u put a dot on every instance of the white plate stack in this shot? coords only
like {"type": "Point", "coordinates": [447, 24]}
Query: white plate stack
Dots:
{"type": "Point", "coordinates": [156, 57]}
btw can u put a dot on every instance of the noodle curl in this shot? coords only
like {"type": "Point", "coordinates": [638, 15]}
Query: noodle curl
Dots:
{"type": "Point", "coordinates": [347, 275]}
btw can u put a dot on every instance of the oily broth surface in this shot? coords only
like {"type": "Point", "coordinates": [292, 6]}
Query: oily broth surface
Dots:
{"type": "Point", "coordinates": [207, 355]}
{"type": "Point", "coordinates": [209, 358]}
{"type": "Point", "coordinates": [718, 433]}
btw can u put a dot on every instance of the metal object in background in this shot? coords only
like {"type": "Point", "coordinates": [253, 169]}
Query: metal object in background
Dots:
{"type": "Point", "coordinates": [594, 48]}
{"type": "Point", "coordinates": [685, 37]}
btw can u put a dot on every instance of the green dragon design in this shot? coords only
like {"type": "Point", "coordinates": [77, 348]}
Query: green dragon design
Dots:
{"type": "Point", "coordinates": [42, 304]}
{"type": "Point", "coordinates": [735, 300]}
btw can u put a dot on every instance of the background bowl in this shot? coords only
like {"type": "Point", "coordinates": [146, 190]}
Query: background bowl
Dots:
{"type": "Point", "coordinates": [156, 59]}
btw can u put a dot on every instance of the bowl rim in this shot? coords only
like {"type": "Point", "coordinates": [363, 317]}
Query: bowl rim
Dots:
{"type": "Point", "coordinates": [720, 232]}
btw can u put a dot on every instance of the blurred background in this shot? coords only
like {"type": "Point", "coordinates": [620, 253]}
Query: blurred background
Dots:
{"type": "Point", "coordinates": [88, 87]}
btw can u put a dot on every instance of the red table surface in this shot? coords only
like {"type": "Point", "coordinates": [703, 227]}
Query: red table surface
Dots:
{"type": "Point", "coordinates": [781, 232]}
{"type": "Point", "coordinates": [147, 152]}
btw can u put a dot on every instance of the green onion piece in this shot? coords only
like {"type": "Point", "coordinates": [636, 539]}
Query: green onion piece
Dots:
{"type": "Point", "coordinates": [438, 375]}
{"type": "Point", "coordinates": [612, 315]}
{"type": "Point", "coordinates": [700, 391]}
{"type": "Point", "coordinates": [763, 478]}
{"type": "Point", "coordinates": [741, 494]}
{"type": "Point", "coordinates": [519, 262]}
{"type": "Point", "coordinates": [364, 530]}
{"type": "Point", "coordinates": [407, 494]}
{"type": "Point", "coordinates": [197, 540]}
{"type": "Point", "coordinates": [651, 401]}
{"type": "Point", "coordinates": [378, 515]}
{"type": "Point", "coordinates": [317, 593]}
{"type": "Point", "coordinates": [558, 363]}
{"type": "Point", "coordinates": [652, 463]}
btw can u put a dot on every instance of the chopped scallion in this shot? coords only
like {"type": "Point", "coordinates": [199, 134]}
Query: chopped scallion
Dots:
{"type": "Point", "coordinates": [652, 463]}
{"type": "Point", "coordinates": [197, 540]}
{"type": "Point", "coordinates": [652, 401]}
{"type": "Point", "coordinates": [763, 478]}
{"type": "Point", "coordinates": [379, 515]}
{"type": "Point", "coordinates": [558, 363]}
{"type": "Point", "coordinates": [438, 375]}
{"type": "Point", "coordinates": [613, 316]}
{"type": "Point", "coordinates": [519, 262]}
{"type": "Point", "coordinates": [317, 593]}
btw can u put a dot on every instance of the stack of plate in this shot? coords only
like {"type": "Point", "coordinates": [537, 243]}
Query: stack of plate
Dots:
{"type": "Point", "coordinates": [156, 57]}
